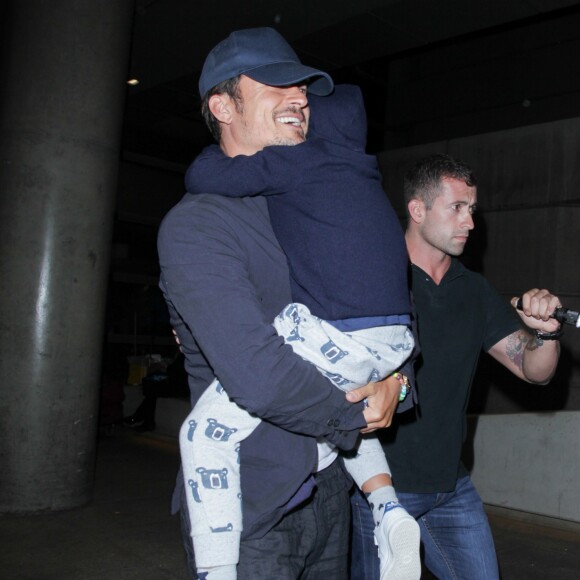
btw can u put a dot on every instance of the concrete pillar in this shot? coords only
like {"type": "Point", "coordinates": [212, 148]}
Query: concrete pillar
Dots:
{"type": "Point", "coordinates": [63, 70]}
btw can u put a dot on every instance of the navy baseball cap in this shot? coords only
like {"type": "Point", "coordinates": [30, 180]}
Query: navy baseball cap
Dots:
{"type": "Point", "coordinates": [263, 55]}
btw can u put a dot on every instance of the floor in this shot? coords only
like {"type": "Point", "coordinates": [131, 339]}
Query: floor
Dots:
{"type": "Point", "coordinates": [126, 532]}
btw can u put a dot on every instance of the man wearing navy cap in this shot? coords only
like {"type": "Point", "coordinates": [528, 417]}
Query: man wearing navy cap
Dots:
{"type": "Point", "coordinates": [225, 278]}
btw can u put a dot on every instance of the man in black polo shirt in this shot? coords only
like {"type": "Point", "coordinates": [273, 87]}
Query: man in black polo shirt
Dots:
{"type": "Point", "coordinates": [458, 315]}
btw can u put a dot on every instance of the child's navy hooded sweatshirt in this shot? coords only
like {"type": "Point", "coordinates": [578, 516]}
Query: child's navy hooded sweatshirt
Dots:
{"type": "Point", "coordinates": [344, 243]}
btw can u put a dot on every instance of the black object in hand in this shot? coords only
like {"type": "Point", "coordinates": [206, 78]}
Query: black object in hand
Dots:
{"type": "Point", "coordinates": [563, 315]}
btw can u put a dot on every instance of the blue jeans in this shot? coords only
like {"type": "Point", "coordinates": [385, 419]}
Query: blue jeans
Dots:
{"type": "Point", "coordinates": [455, 534]}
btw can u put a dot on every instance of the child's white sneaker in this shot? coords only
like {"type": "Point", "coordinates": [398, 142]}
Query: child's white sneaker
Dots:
{"type": "Point", "coordinates": [398, 539]}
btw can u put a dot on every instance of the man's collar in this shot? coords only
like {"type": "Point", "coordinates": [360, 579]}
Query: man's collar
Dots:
{"type": "Point", "coordinates": [455, 270]}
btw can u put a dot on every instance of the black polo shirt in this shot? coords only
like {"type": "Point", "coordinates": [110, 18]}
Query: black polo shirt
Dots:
{"type": "Point", "coordinates": [456, 320]}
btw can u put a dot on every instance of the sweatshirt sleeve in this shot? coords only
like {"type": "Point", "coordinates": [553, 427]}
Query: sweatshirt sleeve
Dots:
{"type": "Point", "coordinates": [339, 118]}
{"type": "Point", "coordinates": [273, 170]}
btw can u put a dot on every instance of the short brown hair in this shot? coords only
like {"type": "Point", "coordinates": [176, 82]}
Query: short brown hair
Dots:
{"type": "Point", "coordinates": [423, 180]}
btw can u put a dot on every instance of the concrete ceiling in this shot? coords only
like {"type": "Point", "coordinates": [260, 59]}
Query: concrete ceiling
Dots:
{"type": "Point", "coordinates": [353, 39]}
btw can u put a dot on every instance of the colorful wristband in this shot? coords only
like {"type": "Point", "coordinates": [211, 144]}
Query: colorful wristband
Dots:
{"type": "Point", "coordinates": [405, 386]}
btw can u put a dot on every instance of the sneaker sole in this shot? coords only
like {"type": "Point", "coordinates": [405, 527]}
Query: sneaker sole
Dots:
{"type": "Point", "coordinates": [404, 538]}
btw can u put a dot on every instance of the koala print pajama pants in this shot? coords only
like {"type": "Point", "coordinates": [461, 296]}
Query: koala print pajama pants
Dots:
{"type": "Point", "coordinates": [210, 436]}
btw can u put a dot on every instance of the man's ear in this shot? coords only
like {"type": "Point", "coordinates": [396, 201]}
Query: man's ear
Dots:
{"type": "Point", "coordinates": [416, 209]}
{"type": "Point", "coordinates": [220, 107]}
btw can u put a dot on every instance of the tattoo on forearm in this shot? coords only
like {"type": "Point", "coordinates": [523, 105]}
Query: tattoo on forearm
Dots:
{"type": "Point", "coordinates": [516, 345]}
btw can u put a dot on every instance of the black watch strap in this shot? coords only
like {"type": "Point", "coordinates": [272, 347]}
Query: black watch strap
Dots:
{"type": "Point", "coordinates": [541, 336]}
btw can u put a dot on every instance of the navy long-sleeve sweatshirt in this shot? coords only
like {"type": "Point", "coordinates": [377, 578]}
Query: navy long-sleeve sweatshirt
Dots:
{"type": "Point", "coordinates": [343, 241]}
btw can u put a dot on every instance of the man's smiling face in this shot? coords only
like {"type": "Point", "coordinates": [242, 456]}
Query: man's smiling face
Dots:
{"type": "Point", "coordinates": [268, 115]}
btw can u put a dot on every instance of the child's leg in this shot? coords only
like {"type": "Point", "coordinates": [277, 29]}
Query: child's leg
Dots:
{"type": "Point", "coordinates": [351, 360]}
{"type": "Point", "coordinates": [396, 532]}
{"type": "Point", "coordinates": [368, 464]}
{"type": "Point", "coordinates": [209, 441]}
{"type": "Point", "coordinates": [371, 474]}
